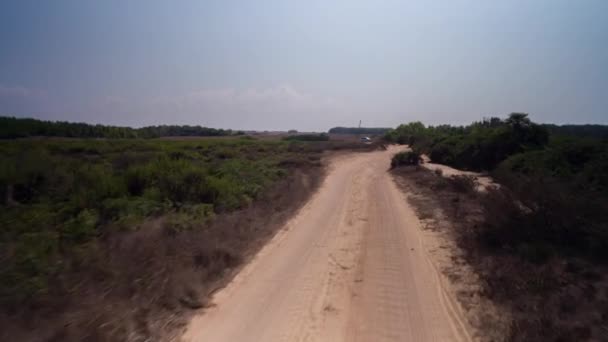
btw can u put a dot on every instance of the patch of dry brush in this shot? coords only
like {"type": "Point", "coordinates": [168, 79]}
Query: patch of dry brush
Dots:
{"type": "Point", "coordinates": [523, 246]}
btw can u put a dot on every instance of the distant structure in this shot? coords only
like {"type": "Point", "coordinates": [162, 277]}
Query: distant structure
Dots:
{"type": "Point", "coordinates": [359, 130]}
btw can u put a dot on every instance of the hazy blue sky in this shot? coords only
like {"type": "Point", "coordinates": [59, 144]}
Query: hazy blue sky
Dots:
{"type": "Point", "coordinates": [307, 65]}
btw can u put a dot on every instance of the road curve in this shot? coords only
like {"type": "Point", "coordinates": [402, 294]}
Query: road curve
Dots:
{"type": "Point", "coordinates": [350, 266]}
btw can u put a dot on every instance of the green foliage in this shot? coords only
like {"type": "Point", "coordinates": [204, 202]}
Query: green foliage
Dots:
{"type": "Point", "coordinates": [59, 196]}
{"type": "Point", "coordinates": [33, 260]}
{"type": "Point", "coordinates": [128, 212]}
{"type": "Point", "coordinates": [189, 217]}
{"type": "Point", "coordinates": [407, 133]}
{"type": "Point", "coordinates": [479, 146]}
{"type": "Point", "coordinates": [405, 158]}
{"type": "Point", "coordinates": [80, 228]}
{"type": "Point", "coordinates": [27, 250]}
{"type": "Point", "coordinates": [11, 128]}
{"type": "Point", "coordinates": [582, 163]}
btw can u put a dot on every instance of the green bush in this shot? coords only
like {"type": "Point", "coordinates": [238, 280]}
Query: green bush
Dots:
{"type": "Point", "coordinates": [189, 217]}
{"type": "Point", "coordinates": [405, 158]}
{"type": "Point", "coordinates": [479, 146]}
{"type": "Point", "coordinates": [580, 162]}
{"type": "Point", "coordinates": [226, 193]}
{"type": "Point", "coordinates": [180, 180]}
{"type": "Point", "coordinates": [32, 261]}
{"type": "Point", "coordinates": [130, 211]}
{"type": "Point", "coordinates": [137, 178]}
{"type": "Point", "coordinates": [80, 228]}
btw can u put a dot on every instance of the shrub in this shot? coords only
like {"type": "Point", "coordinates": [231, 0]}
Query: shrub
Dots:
{"type": "Point", "coordinates": [188, 217]}
{"type": "Point", "coordinates": [92, 183]}
{"type": "Point", "coordinates": [405, 158]}
{"type": "Point", "coordinates": [80, 228]}
{"type": "Point", "coordinates": [130, 211]}
{"type": "Point", "coordinates": [539, 217]}
{"type": "Point", "coordinates": [180, 181]}
{"type": "Point", "coordinates": [136, 179]}
{"type": "Point", "coordinates": [32, 256]}
{"type": "Point", "coordinates": [225, 193]}
{"type": "Point", "coordinates": [463, 184]}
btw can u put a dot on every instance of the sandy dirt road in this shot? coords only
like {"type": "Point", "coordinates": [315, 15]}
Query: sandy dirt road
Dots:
{"type": "Point", "coordinates": [350, 266]}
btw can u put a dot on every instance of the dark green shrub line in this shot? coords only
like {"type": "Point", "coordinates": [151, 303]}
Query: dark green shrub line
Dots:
{"type": "Point", "coordinates": [11, 127]}
{"type": "Point", "coordinates": [307, 137]}
{"type": "Point", "coordinates": [479, 146]}
{"type": "Point", "coordinates": [514, 146]}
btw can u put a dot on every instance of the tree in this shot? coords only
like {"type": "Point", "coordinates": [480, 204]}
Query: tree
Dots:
{"type": "Point", "coordinates": [518, 120]}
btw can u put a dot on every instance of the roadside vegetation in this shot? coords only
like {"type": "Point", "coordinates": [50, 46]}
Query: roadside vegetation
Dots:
{"type": "Point", "coordinates": [540, 241]}
{"type": "Point", "coordinates": [104, 239]}
{"type": "Point", "coordinates": [479, 146]}
{"type": "Point", "coordinates": [405, 158]}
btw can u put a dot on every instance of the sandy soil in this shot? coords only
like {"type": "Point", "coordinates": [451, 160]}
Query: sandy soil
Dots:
{"type": "Point", "coordinates": [483, 182]}
{"type": "Point", "coordinates": [353, 265]}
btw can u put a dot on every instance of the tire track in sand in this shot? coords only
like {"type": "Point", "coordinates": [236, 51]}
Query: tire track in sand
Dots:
{"type": "Point", "coordinates": [350, 266]}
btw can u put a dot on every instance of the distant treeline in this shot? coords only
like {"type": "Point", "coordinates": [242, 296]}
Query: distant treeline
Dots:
{"type": "Point", "coordinates": [308, 137]}
{"type": "Point", "coordinates": [581, 131]}
{"type": "Point", "coordinates": [517, 143]}
{"type": "Point", "coordinates": [11, 127]}
{"type": "Point", "coordinates": [359, 130]}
